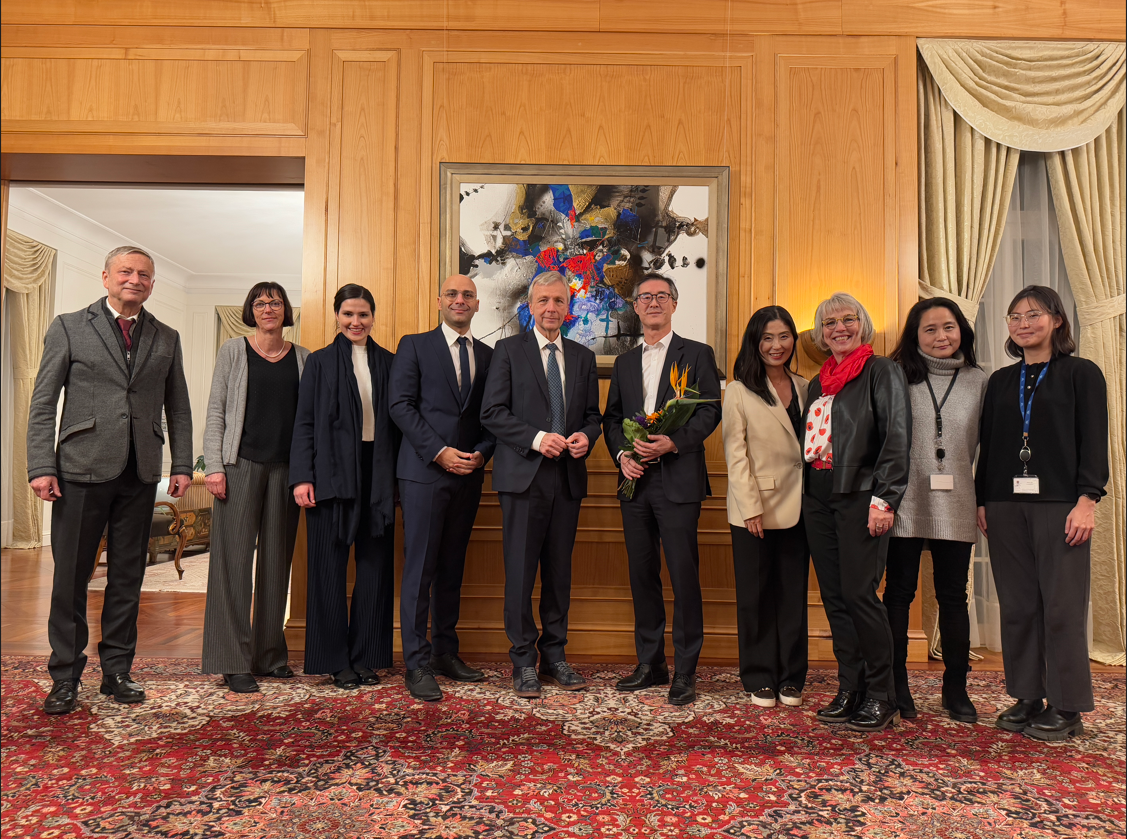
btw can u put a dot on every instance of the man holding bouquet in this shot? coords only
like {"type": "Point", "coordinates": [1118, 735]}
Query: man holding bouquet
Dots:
{"type": "Point", "coordinates": [665, 481]}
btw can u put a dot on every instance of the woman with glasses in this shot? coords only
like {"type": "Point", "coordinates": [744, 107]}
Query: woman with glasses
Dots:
{"type": "Point", "coordinates": [857, 442]}
{"type": "Point", "coordinates": [250, 420]}
{"type": "Point", "coordinates": [763, 433]}
{"type": "Point", "coordinates": [936, 353]}
{"type": "Point", "coordinates": [342, 469]}
{"type": "Point", "coordinates": [1042, 469]}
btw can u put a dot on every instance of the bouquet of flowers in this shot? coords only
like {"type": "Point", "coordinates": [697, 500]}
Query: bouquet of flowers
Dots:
{"type": "Point", "coordinates": [674, 415]}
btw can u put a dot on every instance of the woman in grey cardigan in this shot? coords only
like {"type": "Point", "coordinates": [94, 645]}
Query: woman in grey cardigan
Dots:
{"type": "Point", "coordinates": [946, 386]}
{"type": "Point", "coordinates": [250, 418]}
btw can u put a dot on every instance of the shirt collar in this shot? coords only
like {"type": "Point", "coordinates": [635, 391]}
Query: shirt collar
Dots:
{"type": "Point", "coordinates": [542, 342]}
{"type": "Point", "coordinates": [452, 336]}
{"type": "Point", "coordinates": [661, 343]}
{"type": "Point", "coordinates": [118, 315]}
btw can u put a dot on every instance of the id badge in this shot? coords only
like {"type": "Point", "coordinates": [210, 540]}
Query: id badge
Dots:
{"type": "Point", "coordinates": [943, 481]}
{"type": "Point", "coordinates": [1027, 485]}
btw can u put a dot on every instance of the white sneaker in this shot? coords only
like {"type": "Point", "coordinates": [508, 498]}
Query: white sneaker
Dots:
{"type": "Point", "coordinates": [764, 698]}
{"type": "Point", "coordinates": [791, 696]}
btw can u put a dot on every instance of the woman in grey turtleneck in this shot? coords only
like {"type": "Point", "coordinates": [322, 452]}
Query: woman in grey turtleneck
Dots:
{"type": "Point", "coordinates": [936, 351]}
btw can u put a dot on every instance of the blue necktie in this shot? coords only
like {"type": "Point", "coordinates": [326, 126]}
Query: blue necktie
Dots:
{"type": "Point", "coordinates": [555, 391]}
{"type": "Point", "coordinates": [464, 363]}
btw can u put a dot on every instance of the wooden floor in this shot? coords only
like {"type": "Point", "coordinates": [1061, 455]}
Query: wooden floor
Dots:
{"type": "Point", "coordinates": [170, 624]}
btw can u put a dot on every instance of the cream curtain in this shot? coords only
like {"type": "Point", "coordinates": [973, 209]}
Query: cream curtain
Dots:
{"type": "Point", "coordinates": [1031, 95]}
{"type": "Point", "coordinates": [965, 184]}
{"type": "Point", "coordinates": [231, 325]}
{"type": "Point", "coordinates": [28, 272]}
{"type": "Point", "coordinates": [1089, 192]}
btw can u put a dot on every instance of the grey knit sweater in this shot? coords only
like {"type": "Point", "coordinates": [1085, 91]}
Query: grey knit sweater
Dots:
{"type": "Point", "coordinates": [943, 514]}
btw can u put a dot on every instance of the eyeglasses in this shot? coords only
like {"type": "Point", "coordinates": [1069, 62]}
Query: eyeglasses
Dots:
{"type": "Point", "coordinates": [262, 305]}
{"type": "Point", "coordinates": [645, 298]}
{"type": "Point", "coordinates": [847, 321]}
{"type": "Point", "coordinates": [452, 295]}
{"type": "Point", "coordinates": [1018, 318]}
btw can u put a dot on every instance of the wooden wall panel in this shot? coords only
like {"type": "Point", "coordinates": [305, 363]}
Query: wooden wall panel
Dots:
{"type": "Point", "coordinates": [154, 91]}
{"type": "Point", "coordinates": [835, 191]}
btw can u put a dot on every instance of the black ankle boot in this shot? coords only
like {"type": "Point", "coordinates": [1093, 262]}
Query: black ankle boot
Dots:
{"type": "Point", "coordinates": [904, 701]}
{"type": "Point", "coordinates": [956, 701]}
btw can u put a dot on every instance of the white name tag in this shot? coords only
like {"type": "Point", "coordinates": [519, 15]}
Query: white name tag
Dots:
{"type": "Point", "coordinates": [1027, 486]}
{"type": "Point", "coordinates": [943, 481]}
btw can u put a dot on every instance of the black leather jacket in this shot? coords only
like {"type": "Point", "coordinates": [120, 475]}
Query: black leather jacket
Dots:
{"type": "Point", "coordinates": [871, 423]}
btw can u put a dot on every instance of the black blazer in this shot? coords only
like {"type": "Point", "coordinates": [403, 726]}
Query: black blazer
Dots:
{"type": "Point", "coordinates": [515, 408]}
{"type": "Point", "coordinates": [684, 474]}
{"type": "Point", "coordinates": [424, 401]}
{"type": "Point", "coordinates": [871, 422]}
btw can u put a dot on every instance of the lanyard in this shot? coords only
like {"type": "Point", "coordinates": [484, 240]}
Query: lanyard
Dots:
{"type": "Point", "coordinates": [1027, 414]}
{"type": "Point", "coordinates": [940, 451]}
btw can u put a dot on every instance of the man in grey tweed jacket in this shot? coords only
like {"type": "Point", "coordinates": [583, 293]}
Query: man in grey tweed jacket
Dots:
{"type": "Point", "coordinates": [120, 368]}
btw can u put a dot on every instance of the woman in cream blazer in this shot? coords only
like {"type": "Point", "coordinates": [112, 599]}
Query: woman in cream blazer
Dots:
{"type": "Point", "coordinates": [763, 427]}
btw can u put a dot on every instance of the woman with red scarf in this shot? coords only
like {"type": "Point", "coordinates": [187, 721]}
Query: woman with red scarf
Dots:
{"type": "Point", "coordinates": [858, 440]}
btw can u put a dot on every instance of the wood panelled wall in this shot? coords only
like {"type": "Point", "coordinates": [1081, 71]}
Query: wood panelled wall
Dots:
{"type": "Point", "coordinates": [817, 126]}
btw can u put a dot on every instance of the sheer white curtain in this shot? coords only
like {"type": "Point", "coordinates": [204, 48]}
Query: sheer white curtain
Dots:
{"type": "Point", "coordinates": [1030, 254]}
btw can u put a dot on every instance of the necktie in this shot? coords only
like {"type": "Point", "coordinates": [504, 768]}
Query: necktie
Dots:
{"type": "Point", "coordinates": [126, 326]}
{"type": "Point", "coordinates": [555, 391]}
{"type": "Point", "coordinates": [464, 363]}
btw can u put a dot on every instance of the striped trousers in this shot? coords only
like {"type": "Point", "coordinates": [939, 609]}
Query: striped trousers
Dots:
{"type": "Point", "coordinates": [259, 509]}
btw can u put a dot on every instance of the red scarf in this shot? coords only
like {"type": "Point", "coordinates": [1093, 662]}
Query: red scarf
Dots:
{"type": "Point", "coordinates": [835, 376]}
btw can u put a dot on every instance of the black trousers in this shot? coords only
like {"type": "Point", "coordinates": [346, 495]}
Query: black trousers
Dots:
{"type": "Point", "coordinates": [78, 519]}
{"type": "Point", "coordinates": [772, 576]}
{"type": "Point", "coordinates": [538, 532]}
{"type": "Point", "coordinates": [1043, 588]}
{"type": "Point", "coordinates": [336, 636]}
{"type": "Point", "coordinates": [950, 562]}
{"type": "Point", "coordinates": [650, 522]}
{"type": "Point", "coordinates": [850, 564]}
{"type": "Point", "coordinates": [437, 521]}
{"type": "Point", "coordinates": [254, 528]}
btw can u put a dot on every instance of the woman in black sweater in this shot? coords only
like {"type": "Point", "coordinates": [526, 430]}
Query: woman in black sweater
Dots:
{"type": "Point", "coordinates": [1042, 467]}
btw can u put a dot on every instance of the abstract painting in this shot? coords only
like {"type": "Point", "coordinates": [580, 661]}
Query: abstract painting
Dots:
{"type": "Point", "coordinates": [601, 227]}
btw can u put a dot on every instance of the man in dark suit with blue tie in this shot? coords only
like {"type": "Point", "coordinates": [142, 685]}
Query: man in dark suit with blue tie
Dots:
{"type": "Point", "coordinates": [436, 385]}
{"type": "Point", "coordinates": [542, 404]}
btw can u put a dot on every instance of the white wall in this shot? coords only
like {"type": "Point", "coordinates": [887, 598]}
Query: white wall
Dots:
{"type": "Point", "coordinates": [181, 299]}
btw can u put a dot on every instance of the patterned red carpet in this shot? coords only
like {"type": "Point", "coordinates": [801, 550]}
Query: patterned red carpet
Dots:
{"type": "Point", "coordinates": [302, 760]}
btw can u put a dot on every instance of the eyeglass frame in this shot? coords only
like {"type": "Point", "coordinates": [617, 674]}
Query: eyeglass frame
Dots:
{"type": "Point", "coordinates": [453, 294]}
{"type": "Point", "coordinates": [273, 303]}
{"type": "Point", "coordinates": [844, 320]}
{"type": "Point", "coordinates": [647, 297]}
{"type": "Point", "coordinates": [1018, 318]}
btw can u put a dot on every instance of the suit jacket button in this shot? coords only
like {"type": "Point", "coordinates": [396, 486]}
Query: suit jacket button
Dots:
{"type": "Point", "coordinates": [125, 416]}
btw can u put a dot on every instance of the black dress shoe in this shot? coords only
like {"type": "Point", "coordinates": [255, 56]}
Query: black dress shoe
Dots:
{"type": "Point", "coordinates": [452, 667]}
{"type": "Point", "coordinates": [958, 706]}
{"type": "Point", "coordinates": [843, 706]}
{"type": "Point", "coordinates": [122, 688]}
{"type": "Point", "coordinates": [644, 676]}
{"type": "Point", "coordinates": [366, 676]}
{"type": "Point", "coordinates": [240, 682]}
{"type": "Point", "coordinates": [561, 673]}
{"type": "Point", "coordinates": [1020, 714]}
{"type": "Point", "coordinates": [346, 679]}
{"type": "Point", "coordinates": [525, 683]}
{"type": "Point", "coordinates": [1053, 724]}
{"type": "Point", "coordinates": [283, 672]}
{"type": "Point", "coordinates": [63, 697]}
{"type": "Point", "coordinates": [874, 715]}
{"type": "Point", "coordinates": [422, 685]}
{"type": "Point", "coordinates": [683, 691]}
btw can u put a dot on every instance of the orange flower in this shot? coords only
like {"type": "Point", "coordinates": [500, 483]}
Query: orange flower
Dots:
{"type": "Point", "coordinates": [653, 417]}
{"type": "Point", "coordinates": [678, 380]}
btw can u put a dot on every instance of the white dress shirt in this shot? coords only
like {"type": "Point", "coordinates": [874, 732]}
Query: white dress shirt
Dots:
{"type": "Point", "coordinates": [364, 384]}
{"type": "Point", "coordinates": [653, 362]}
{"type": "Point", "coordinates": [543, 342]}
{"type": "Point", "coordinates": [116, 314]}
{"type": "Point", "coordinates": [451, 337]}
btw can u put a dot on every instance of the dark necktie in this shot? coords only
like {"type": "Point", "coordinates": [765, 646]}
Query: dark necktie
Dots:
{"type": "Point", "coordinates": [126, 326]}
{"type": "Point", "coordinates": [464, 364]}
{"type": "Point", "coordinates": [555, 391]}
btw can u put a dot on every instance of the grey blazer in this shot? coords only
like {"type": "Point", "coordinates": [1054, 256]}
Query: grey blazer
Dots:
{"type": "Point", "coordinates": [227, 404]}
{"type": "Point", "coordinates": [105, 404]}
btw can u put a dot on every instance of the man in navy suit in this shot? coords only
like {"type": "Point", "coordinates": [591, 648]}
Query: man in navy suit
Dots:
{"type": "Point", "coordinates": [542, 404]}
{"type": "Point", "coordinates": [437, 381]}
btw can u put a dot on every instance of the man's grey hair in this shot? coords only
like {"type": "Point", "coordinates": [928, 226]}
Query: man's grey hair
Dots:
{"type": "Point", "coordinates": [546, 279]}
{"type": "Point", "coordinates": [839, 301]}
{"type": "Point", "coordinates": [655, 278]}
{"type": "Point", "coordinates": [126, 250]}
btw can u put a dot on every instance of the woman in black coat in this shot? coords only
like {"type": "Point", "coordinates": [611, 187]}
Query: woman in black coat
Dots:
{"type": "Point", "coordinates": [342, 469]}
